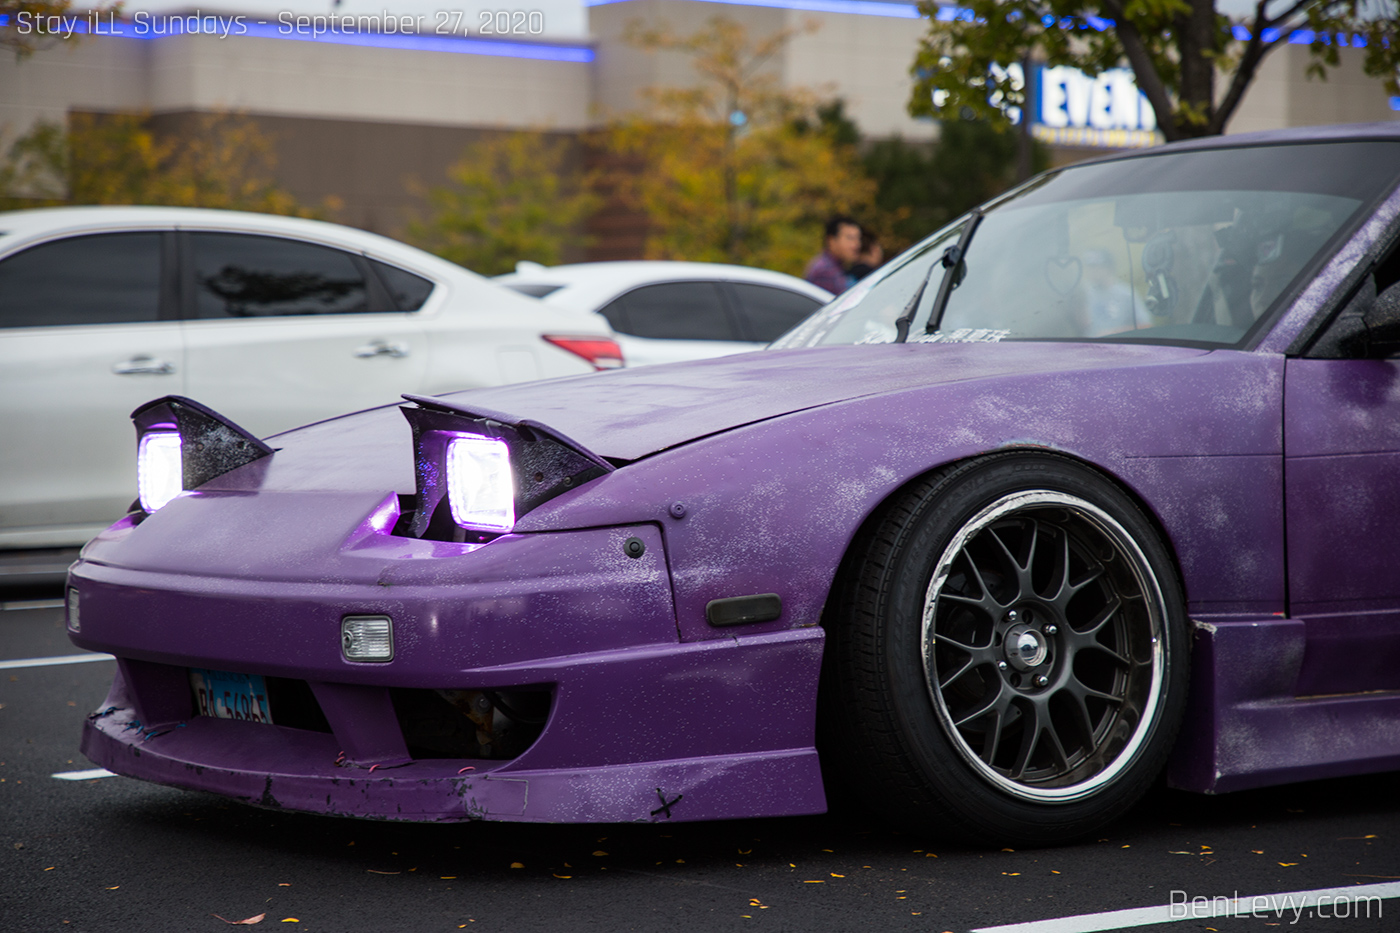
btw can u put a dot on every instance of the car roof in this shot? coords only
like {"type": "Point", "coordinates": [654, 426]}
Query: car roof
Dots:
{"type": "Point", "coordinates": [588, 285]}
{"type": "Point", "coordinates": [1298, 135]}
{"type": "Point", "coordinates": [42, 223]}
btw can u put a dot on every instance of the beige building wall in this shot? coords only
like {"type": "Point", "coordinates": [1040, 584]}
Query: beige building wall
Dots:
{"type": "Point", "coordinates": [862, 59]}
{"type": "Point", "coordinates": [294, 79]}
{"type": "Point", "coordinates": [1282, 95]}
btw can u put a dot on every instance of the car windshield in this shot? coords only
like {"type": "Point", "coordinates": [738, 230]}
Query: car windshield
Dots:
{"type": "Point", "coordinates": [1194, 247]}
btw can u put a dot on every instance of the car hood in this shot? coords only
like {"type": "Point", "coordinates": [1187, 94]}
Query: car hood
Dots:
{"type": "Point", "coordinates": [632, 413]}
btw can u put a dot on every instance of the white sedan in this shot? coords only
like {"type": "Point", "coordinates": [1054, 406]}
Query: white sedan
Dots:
{"type": "Point", "coordinates": [664, 312]}
{"type": "Point", "coordinates": [274, 321]}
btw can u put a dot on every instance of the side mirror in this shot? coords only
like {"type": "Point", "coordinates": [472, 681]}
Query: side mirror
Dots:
{"type": "Point", "coordinates": [1367, 328]}
{"type": "Point", "coordinates": [1383, 323]}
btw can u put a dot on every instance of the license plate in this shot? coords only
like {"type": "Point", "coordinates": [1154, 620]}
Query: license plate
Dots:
{"type": "Point", "coordinates": [223, 695]}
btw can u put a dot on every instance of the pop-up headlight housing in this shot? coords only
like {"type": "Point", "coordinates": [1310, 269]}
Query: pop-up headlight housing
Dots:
{"type": "Point", "coordinates": [181, 445]}
{"type": "Point", "coordinates": [479, 470]}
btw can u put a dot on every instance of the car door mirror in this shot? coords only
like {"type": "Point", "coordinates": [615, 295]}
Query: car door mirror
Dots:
{"type": "Point", "coordinates": [1367, 328]}
{"type": "Point", "coordinates": [1383, 323]}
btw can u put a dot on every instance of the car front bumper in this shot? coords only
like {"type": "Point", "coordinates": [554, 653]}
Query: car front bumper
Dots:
{"type": "Point", "coordinates": [641, 726]}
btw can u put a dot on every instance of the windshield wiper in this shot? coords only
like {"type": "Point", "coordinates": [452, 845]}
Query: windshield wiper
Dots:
{"type": "Point", "coordinates": [951, 260]}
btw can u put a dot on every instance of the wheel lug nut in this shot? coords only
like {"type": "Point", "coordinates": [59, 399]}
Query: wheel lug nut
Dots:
{"type": "Point", "coordinates": [1042, 680]}
{"type": "Point", "coordinates": [1012, 616]}
{"type": "Point", "coordinates": [1001, 665]}
{"type": "Point", "coordinates": [1050, 630]}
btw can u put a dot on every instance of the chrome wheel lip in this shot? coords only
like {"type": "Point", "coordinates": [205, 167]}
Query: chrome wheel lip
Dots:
{"type": "Point", "coordinates": [1156, 611]}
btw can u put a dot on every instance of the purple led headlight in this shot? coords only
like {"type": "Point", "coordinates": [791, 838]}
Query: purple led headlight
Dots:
{"type": "Point", "coordinates": [480, 485]}
{"type": "Point", "coordinates": [181, 445]}
{"type": "Point", "coordinates": [159, 468]}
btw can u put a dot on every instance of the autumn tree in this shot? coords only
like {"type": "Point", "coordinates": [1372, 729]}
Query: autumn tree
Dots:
{"type": "Point", "coordinates": [510, 197]}
{"type": "Point", "coordinates": [1192, 62]}
{"type": "Point", "coordinates": [726, 172]}
{"type": "Point", "coordinates": [211, 160]}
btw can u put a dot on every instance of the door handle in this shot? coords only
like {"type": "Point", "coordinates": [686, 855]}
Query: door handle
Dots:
{"type": "Point", "coordinates": [396, 349]}
{"type": "Point", "coordinates": [143, 364]}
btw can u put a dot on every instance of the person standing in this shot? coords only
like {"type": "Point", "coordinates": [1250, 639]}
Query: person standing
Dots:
{"type": "Point", "coordinates": [840, 250]}
{"type": "Point", "coordinates": [872, 256]}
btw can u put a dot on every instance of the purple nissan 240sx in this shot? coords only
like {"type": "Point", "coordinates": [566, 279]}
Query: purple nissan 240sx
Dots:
{"type": "Point", "coordinates": [1099, 480]}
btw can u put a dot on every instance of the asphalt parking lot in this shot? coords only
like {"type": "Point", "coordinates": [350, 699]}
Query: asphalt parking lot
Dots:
{"type": "Point", "coordinates": [109, 853]}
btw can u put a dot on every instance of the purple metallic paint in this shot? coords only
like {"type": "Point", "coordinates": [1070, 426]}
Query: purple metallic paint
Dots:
{"type": "Point", "coordinates": [777, 458]}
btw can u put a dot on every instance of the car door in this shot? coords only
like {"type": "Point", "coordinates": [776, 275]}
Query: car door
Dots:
{"type": "Point", "coordinates": [1342, 480]}
{"type": "Point", "coordinates": [87, 333]}
{"type": "Point", "coordinates": [281, 332]}
{"type": "Point", "coordinates": [674, 321]}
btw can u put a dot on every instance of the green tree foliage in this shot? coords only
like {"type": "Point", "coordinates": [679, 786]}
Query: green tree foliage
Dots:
{"type": "Point", "coordinates": [1177, 49]}
{"type": "Point", "coordinates": [922, 186]}
{"type": "Point", "coordinates": [212, 160]}
{"type": "Point", "coordinates": [509, 197]}
{"type": "Point", "coordinates": [728, 170]}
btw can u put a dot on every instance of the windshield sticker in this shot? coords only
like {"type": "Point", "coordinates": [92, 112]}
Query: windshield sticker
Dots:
{"type": "Point", "coordinates": [963, 335]}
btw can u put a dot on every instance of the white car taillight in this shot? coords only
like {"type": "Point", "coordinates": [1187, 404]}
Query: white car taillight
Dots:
{"type": "Point", "coordinates": [600, 352]}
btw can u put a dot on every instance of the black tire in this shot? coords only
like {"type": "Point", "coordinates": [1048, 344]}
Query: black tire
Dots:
{"type": "Point", "coordinates": [1031, 707]}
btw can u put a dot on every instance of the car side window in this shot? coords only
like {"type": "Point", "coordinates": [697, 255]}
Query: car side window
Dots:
{"type": "Point", "coordinates": [242, 275]}
{"type": "Point", "coordinates": [105, 278]}
{"type": "Point", "coordinates": [673, 311]}
{"type": "Point", "coordinates": [769, 312]}
{"type": "Point", "coordinates": [407, 290]}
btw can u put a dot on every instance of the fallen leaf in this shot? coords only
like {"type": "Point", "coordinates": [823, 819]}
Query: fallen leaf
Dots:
{"type": "Point", "coordinates": [930, 855]}
{"type": "Point", "coordinates": [378, 872]}
{"type": "Point", "coordinates": [1126, 847]}
{"type": "Point", "coordinates": [834, 875]}
{"type": "Point", "coordinates": [283, 884]}
{"type": "Point", "coordinates": [565, 877]}
{"type": "Point", "coordinates": [243, 923]}
{"type": "Point", "coordinates": [517, 864]}
{"type": "Point", "coordinates": [600, 853]}
{"type": "Point", "coordinates": [290, 920]}
{"type": "Point", "coordinates": [1288, 864]}
{"type": "Point", "coordinates": [447, 878]}
{"type": "Point", "coordinates": [1013, 850]}
{"type": "Point", "coordinates": [1257, 851]}
{"type": "Point", "coordinates": [1181, 853]}
{"type": "Point", "coordinates": [818, 881]}
{"type": "Point", "coordinates": [114, 887]}
{"type": "Point", "coordinates": [51, 868]}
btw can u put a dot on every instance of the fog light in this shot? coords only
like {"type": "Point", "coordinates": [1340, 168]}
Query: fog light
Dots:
{"type": "Point", "coordinates": [73, 625]}
{"type": "Point", "coordinates": [367, 638]}
{"type": "Point", "coordinates": [159, 469]}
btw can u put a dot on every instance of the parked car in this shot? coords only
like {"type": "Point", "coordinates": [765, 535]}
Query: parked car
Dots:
{"type": "Point", "coordinates": [1096, 478]}
{"type": "Point", "coordinates": [277, 321]}
{"type": "Point", "coordinates": [666, 312]}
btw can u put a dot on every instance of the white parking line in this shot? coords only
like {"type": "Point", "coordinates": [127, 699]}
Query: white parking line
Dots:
{"type": "Point", "coordinates": [1353, 901]}
{"type": "Point", "coordinates": [31, 604]}
{"type": "Point", "coordinates": [83, 775]}
{"type": "Point", "coordinates": [50, 662]}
